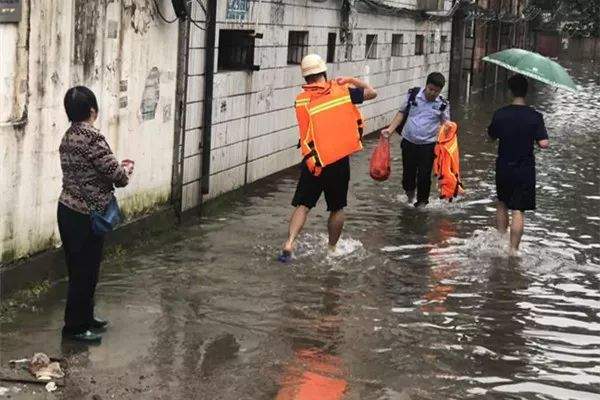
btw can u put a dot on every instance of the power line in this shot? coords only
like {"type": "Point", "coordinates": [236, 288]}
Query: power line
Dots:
{"type": "Point", "coordinates": [176, 19]}
{"type": "Point", "coordinates": [197, 26]}
{"type": "Point", "coordinates": [161, 15]}
{"type": "Point", "coordinates": [203, 8]}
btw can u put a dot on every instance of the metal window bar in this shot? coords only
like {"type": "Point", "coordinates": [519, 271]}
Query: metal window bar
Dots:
{"type": "Point", "coordinates": [397, 45]}
{"type": "Point", "coordinates": [432, 43]}
{"type": "Point", "coordinates": [297, 46]}
{"type": "Point", "coordinates": [236, 50]}
{"type": "Point", "coordinates": [371, 50]}
{"type": "Point", "coordinates": [419, 41]}
{"type": "Point", "coordinates": [331, 37]}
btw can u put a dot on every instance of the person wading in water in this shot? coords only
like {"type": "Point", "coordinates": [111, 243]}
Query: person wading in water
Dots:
{"type": "Point", "coordinates": [517, 127]}
{"type": "Point", "coordinates": [330, 131]}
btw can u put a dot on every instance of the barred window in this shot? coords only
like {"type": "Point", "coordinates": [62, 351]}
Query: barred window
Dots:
{"type": "Point", "coordinates": [236, 50]}
{"type": "Point", "coordinates": [397, 45]}
{"type": "Point", "coordinates": [444, 44]}
{"type": "Point", "coordinates": [297, 46]}
{"type": "Point", "coordinates": [331, 47]}
{"type": "Point", "coordinates": [371, 48]}
{"type": "Point", "coordinates": [419, 42]}
{"type": "Point", "coordinates": [432, 43]}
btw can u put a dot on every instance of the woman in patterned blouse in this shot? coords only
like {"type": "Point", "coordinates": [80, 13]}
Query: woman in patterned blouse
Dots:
{"type": "Point", "coordinates": [90, 174]}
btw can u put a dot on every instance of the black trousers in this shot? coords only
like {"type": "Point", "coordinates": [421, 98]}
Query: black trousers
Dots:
{"type": "Point", "coordinates": [417, 163]}
{"type": "Point", "coordinates": [83, 253]}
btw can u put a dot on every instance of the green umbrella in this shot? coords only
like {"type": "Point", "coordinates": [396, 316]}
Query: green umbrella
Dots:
{"type": "Point", "coordinates": [533, 65]}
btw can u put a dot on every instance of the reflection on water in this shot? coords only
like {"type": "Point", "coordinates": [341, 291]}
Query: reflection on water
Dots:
{"type": "Point", "coordinates": [415, 304]}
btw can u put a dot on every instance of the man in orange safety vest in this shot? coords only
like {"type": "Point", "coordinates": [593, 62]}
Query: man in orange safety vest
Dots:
{"type": "Point", "coordinates": [330, 128]}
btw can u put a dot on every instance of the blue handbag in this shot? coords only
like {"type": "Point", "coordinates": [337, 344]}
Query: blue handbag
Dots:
{"type": "Point", "coordinates": [102, 223]}
{"type": "Point", "coordinates": [106, 221]}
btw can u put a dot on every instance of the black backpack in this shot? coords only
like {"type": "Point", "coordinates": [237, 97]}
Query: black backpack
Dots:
{"type": "Point", "coordinates": [412, 96]}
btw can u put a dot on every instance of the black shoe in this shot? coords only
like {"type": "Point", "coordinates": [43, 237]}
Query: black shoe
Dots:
{"type": "Point", "coordinates": [421, 204]}
{"type": "Point", "coordinates": [98, 323]}
{"type": "Point", "coordinates": [85, 337]}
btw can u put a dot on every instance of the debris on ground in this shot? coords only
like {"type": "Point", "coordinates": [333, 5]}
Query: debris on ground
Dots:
{"type": "Point", "coordinates": [8, 391]}
{"type": "Point", "coordinates": [43, 368]}
{"type": "Point", "coordinates": [51, 387]}
{"type": "Point", "coordinates": [13, 363]}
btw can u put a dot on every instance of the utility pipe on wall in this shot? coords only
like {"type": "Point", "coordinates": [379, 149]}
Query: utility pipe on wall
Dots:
{"type": "Point", "coordinates": [209, 74]}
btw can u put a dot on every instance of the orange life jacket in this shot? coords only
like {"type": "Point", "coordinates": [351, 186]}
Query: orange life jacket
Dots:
{"type": "Point", "coordinates": [446, 165]}
{"type": "Point", "coordinates": [331, 126]}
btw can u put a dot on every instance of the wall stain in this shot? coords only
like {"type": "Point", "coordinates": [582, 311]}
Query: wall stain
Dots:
{"type": "Point", "coordinates": [141, 13]}
{"type": "Point", "coordinates": [87, 16]}
{"type": "Point", "coordinates": [151, 95]}
{"type": "Point", "coordinates": [112, 29]}
{"type": "Point", "coordinates": [167, 113]}
{"type": "Point", "coordinates": [277, 14]}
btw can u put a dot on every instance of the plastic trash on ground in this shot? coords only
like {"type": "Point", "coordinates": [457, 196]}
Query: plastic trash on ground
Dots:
{"type": "Point", "coordinates": [51, 387]}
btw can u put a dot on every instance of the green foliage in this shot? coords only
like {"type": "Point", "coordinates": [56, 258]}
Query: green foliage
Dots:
{"type": "Point", "coordinates": [576, 17]}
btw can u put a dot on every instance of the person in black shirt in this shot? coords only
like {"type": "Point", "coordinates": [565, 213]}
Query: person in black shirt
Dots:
{"type": "Point", "coordinates": [516, 126]}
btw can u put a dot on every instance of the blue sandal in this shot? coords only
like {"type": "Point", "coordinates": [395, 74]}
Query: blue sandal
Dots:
{"type": "Point", "coordinates": [285, 256]}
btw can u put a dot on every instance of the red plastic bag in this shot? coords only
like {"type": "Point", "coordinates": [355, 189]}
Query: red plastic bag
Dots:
{"type": "Point", "coordinates": [379, 167]}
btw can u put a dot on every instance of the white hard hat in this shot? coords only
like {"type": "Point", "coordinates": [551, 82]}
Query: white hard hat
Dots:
{"type": "Point", "coordinates": [312, 64]}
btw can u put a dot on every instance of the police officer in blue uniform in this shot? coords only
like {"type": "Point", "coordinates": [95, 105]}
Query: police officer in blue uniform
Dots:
{"type": "Point", "coordinates": [419, 121]}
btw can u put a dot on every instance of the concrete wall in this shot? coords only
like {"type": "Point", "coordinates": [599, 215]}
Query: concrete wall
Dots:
{"type": "Point", "coordinates": [254, 127]}
{"type": "Point", "coordinates": [129, 59]}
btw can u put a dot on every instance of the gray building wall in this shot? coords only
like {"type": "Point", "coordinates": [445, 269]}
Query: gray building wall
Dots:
{"type": "Point", "coordinates": [254, 131]}
{"type": "Point", "coordinates": [128, 57]}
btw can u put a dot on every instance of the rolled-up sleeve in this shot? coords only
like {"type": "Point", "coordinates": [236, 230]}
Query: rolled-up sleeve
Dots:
{"type": "Point", "coordinates": [105, 162]}
{"type": "Point", "coordinates": [357, 95]}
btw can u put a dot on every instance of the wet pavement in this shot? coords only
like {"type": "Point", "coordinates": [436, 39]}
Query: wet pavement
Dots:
{"type": "Point", "coordinates": [417, 304]}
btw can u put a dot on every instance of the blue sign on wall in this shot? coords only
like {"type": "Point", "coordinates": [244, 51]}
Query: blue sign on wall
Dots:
{"type": "Point", "coordinates": [10, 10]}
{"type": "Point", "coordinates": [237, 9]}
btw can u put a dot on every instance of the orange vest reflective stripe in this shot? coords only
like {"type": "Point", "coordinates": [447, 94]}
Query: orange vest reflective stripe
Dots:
{"type": "Point", "coordinates": [330, 125]}
{"type": "Point", "coordinates": [446, 165]}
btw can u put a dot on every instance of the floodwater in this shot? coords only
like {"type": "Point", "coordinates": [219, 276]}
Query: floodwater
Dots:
{"type": "Point", "coordinates": [416, 304]}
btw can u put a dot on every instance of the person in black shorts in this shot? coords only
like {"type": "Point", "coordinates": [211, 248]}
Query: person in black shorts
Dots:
{"type": "Point", "coordinates": [334, 178]}
{"type": "Point", "coordinates": [516, 126]}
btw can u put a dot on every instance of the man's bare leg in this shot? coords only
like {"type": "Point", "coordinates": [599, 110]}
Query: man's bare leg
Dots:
{"type": "Point", "coordinates": [501, 217]}
{"type": "Point", "coordinates": [296, 224]}
{"type": "Point", "coordinates": [516, 230]}
{"type": "Point", "coordinates": [335, 224]}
